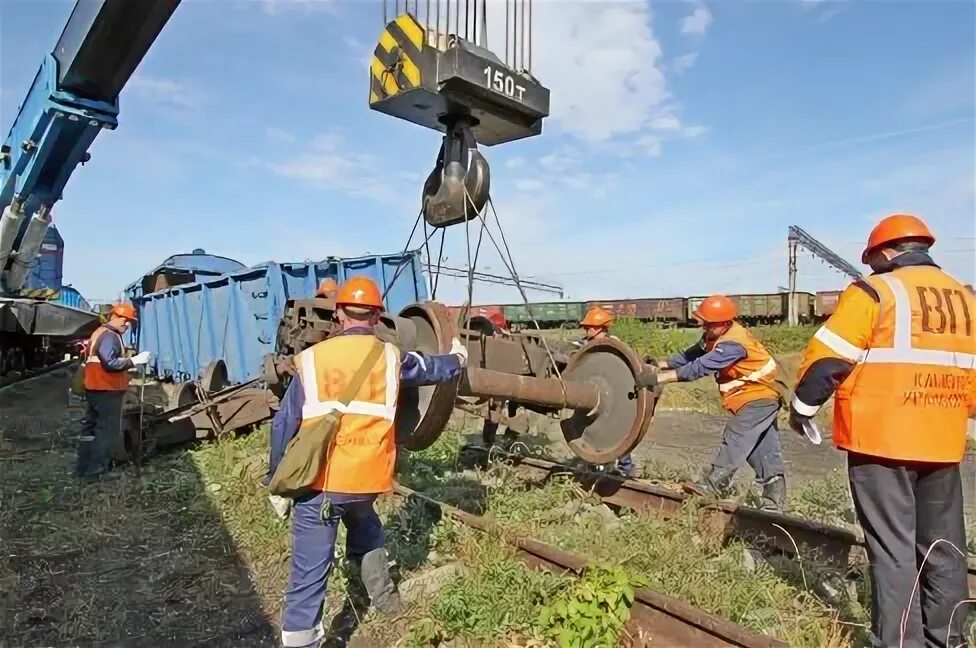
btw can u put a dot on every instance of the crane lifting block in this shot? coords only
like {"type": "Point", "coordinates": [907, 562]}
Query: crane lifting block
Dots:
{"type": "Point", "coordinates": [433, 81]}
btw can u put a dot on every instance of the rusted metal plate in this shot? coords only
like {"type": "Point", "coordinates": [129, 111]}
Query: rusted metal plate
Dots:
{"type": "Point", "coordinates": [515, 354]}
{"type": "Point", "coordinates": [663, 620]}
{"type": "Point", "coordinates": [625, 411]}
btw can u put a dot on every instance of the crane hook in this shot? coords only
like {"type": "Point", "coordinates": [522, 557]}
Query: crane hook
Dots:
{"type": "Point", "coordinates": [457, 189]}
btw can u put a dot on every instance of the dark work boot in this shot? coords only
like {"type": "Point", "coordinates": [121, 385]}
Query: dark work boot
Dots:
{"type": "Point", "coordinates": [712, 484]}
{"type": "Point", "coordinates": [376, 577]}
{"type": "Point", "coordinates": [773, 494]}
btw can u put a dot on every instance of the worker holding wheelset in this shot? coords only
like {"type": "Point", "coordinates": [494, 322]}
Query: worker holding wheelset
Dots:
{"type": "Point", "coordinates": [899, 356]}
{"type": "Point", "coordinates": [333, 450]}
{"type": "Point", "coordinates": [746, 374]}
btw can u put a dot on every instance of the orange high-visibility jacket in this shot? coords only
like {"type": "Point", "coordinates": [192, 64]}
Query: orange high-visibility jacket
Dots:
{"type": "Point", "coordinates": [908, 340]}
{"type": "Point", "coordinates": [749, 379]}
{"type": "Point", "coordinates": [97, 378]}
{"type": "Point", "coordinates": [364, 453]}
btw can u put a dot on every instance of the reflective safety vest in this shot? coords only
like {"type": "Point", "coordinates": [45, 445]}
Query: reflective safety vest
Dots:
{"type": "Point", "coordinates": [364, 447]}
{"type": "Point", "coordinates": [97, 378]}
{"type": "Point", "coordinates": [750, 379]}
{"type": "Point", "coordinates": [912, 388]}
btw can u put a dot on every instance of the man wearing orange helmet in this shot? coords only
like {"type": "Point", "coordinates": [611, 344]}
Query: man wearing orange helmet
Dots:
{"type": "Point", "coordinates": [900, 352]}
{"type": "Point", "coordinates": [327, 288]}
{"type": "Point", "coordinates": [106, 381]}
{"type": "Point", "coordinates": [746, 375]}
{"type": "Point", "coordinates": [361, 461]}
{"type": "Point", "coordinates": [596, 325]}
{"type": "Point", "coordinates": [489, 429]}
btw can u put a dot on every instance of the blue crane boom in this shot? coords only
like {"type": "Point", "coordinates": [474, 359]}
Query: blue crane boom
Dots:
{"type": "Point", "coordinates": [75, 94]}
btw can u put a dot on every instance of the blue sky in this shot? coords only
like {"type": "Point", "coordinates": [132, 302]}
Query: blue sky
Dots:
{"type": "Point", "coordinates": [685, 137]}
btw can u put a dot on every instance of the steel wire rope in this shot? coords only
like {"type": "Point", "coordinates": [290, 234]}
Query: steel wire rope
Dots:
{"type": "Point", "coordinates": [403, 261]}
{"type": "Point", "coordinates": [440, 258]}
{"type": "Point", "coordinates": [509, 265]}
{"type": "Point", "coordinates": [525, 298]}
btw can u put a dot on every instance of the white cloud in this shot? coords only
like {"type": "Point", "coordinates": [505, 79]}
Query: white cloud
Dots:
{"type": "Point", "coordinates": [327, 163]}
{"type": "Point", "coordinates": [694, 131]}
{"type": "Point", "coordinates": [684, 63]}
{"type": "Point", "coordinates": [530, 184]}
{"type": "Point", "coordinates": [279, 135]}
{"type": "Point", "coordinates": [164, 92]}
{"type": "Point", "coordinates": [665, 123]}
{"type": "Point", "coordinates": [601, 62]}
{"type": "Point", "coordinates": [650, 144]}
{"type": "Point", "coordinates": [697, 23]}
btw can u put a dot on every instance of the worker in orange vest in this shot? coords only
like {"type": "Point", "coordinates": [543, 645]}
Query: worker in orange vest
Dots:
{"type": "Point", "coordinates": [746, 375]}
{"type": "Point", "coordinates": [900, 351]}
{"type": "Point", "coordinates": [489, 429]}
{"type": "Point", "coordinates": [596, 325]}
{"type": "Point", "coordinates": [361, 463]}
{"type": "Point", "coordinates": [106, 381]}
{"type": "Point", "coordinates": [327, 288]}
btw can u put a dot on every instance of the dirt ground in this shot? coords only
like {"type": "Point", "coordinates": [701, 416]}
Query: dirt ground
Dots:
{"type": "Point", "coordinates": [142, 560]}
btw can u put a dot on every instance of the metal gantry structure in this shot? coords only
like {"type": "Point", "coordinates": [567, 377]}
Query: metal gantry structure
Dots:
{"type": "Point", "coordinates": [797, 237]}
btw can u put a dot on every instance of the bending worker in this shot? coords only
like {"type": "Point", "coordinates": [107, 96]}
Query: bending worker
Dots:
{"type": "Point", "coordinates": [746, 376]}
{"type": "Point", "coordinates": [596, 326]}
{"type": "Point", "coordinates": [489, 430]}
{"type": "Point", "coordinates": [327, 288]}
{"type": "Point", "coordinates": [900, 351]}
{"type": "Point", "coordinates": [361, 464]}
{"type": "Point", "coordinates": [106, 381]}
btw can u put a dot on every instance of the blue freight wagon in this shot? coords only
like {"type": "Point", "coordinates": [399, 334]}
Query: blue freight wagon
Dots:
{"type": "Point", "coordinates": [189, 316]}
{"type": "Point", "coordinates": [69, 296]}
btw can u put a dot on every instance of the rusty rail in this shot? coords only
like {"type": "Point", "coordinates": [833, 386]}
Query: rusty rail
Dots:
{"type": "Point", "coordinates": [667, 621]}
{"type": "Point", "coordinates": [837, 546]}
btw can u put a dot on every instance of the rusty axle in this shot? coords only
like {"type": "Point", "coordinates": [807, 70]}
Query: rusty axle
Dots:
{"type": "Point", "coordinates": [547, 392]}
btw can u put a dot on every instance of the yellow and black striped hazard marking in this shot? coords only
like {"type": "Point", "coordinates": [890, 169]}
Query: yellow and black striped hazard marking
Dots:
{"type": "Point", "coordinates": [40, 293]}
{"type": "Point", "coordinates": [398, 59]}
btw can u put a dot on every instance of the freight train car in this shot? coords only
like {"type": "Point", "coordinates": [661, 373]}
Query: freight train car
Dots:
{"type": "Point", "coordinates": [547, 314]}
{"type": "Point", "coordinates": [765, 308]}
{"type": "Point", "coordinates": [826, 303]}
{"type": "Point", "coordinates": [669, 309]}
{"type": "Point", "coordinates": [192, 313]}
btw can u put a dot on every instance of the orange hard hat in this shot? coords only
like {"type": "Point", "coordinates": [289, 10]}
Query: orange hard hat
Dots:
{"type": "Point", "coordinates": [715, 309]}
{"type": "Point", "coordinates": [498, 320]}
{"type": "Point", "coordinates": [125, 311]}
{"type": "Point", "coordinates": [597, 316]}
{"type": "Point", "coordinates": [894, 227]}
{"type": "Point", "coordinates": [360, 291]}
{"type": "Point", "coordinates": [326, 286]}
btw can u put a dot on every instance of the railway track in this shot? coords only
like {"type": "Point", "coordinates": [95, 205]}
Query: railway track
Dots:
{"type": "Point", "coordinates": [836, 546]}
{"type": "Point", "coordinates": [656, 619]}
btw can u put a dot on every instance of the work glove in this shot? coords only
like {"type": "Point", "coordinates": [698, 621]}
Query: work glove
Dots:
{"type": "Point", "coordinates": [281, 505]}
{"type": "Point", "coordinates": [647, 378]}
{"type": "Point", "coordinates": [140, 358]}
{"type": "Point", "coordinates": [459, 350]}
{"type": "Point", "coordinates": [651, 360]}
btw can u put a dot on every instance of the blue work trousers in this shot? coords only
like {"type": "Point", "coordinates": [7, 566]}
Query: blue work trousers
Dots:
{"type": "Point", "coordinates": [100, 431]}
{"type": "Point", "coordinates": [312, 558]}
{"type": "Point", "coordinates": [751, 437]}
